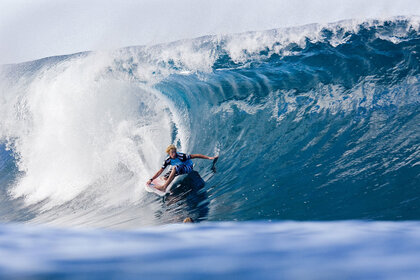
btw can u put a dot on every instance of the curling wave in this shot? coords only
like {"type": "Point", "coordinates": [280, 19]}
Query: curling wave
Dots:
{"type": "Point", "coordinates": [315, 122]}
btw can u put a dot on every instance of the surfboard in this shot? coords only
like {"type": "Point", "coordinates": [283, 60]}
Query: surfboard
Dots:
{"type": "Point", "coordinates": [159, 181]}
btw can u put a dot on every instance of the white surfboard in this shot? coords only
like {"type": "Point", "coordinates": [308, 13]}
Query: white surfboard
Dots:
{"type": "Point", "coordinates": [159, 181]}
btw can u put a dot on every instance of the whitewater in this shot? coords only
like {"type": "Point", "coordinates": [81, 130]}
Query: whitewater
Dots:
{"type": "Point", "coordinates": [311, 123]}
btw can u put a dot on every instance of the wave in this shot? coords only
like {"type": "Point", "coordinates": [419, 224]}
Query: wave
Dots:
{"type": "Point", "coordinates": [315, 122]}
{"type": "Point", "coordinates": [356, 249]}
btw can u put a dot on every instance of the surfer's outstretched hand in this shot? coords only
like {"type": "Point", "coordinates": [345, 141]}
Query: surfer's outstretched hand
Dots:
{"type": "Point", "coordinates": [213, 167]}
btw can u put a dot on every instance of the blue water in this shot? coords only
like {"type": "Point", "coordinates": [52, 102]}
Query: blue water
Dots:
{"type": "Point", "coordinates": [312, 123]}
{"type": "Point", "coordinates": [246, 250]}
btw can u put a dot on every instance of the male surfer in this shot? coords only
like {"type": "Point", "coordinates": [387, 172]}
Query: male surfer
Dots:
{"type": "Point", "coordinates": [180, 164]}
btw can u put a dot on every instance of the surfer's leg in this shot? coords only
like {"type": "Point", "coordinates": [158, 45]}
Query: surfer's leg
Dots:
{"type": "Point", "coordinates": [166, 176]}
{"type": "Point", "coordinates": [169, 180]}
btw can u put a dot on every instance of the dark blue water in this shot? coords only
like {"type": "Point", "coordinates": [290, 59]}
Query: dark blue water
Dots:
{"type": "Point", "coordinates": [326, 127]}
{"type": "Point", "coordinates": [315, 123]}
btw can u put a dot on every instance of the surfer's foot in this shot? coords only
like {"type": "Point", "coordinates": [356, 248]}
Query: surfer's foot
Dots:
{"type": "Point", "coordinates": [161, 188]}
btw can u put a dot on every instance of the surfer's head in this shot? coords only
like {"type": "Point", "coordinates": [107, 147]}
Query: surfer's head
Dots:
{"type": "Point", "coordinates": [171, 151]}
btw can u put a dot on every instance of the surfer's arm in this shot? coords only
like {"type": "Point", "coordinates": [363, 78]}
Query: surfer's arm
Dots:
{"type": "Point", "coordinates": [156, 175]}
{"type": "Point", "coordinates": [202, 156]}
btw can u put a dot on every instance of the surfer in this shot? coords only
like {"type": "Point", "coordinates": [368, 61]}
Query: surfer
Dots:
{"type": "Point", "coordinates": [180, 164]}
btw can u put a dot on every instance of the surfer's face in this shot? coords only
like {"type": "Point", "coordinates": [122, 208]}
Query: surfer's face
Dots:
{"type": "Point", "coordinates": [172, 153]}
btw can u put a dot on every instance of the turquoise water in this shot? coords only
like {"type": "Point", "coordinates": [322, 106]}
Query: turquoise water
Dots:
{"type": "Point", "coordinates": [312, 123]}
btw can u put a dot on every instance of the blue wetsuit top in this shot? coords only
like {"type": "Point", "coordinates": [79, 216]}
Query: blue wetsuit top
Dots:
{"type": "Point", "coordinates": [180, 158]}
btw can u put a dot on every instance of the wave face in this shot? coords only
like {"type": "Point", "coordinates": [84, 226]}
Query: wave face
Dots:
{"type": "Point", "coordinates": [317, 122]}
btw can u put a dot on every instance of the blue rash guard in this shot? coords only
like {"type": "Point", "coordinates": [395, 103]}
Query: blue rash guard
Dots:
{"type": "Point", "coordinates": [182, 162]}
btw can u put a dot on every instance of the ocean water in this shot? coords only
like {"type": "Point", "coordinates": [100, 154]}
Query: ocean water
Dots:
{"type": "Point", "coordinates": [314, 124]}
{"type": "Point", "coordinates": [222, 250]}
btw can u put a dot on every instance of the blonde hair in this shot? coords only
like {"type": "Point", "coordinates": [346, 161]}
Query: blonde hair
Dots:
{"type": "Point", "coordinates": [170, 147]}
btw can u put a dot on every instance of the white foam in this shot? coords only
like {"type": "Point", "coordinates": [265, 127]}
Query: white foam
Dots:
{"type": "Point", "coordinates": [74, 127]}
{"type": "Point", "coordinates": [199, 55]}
